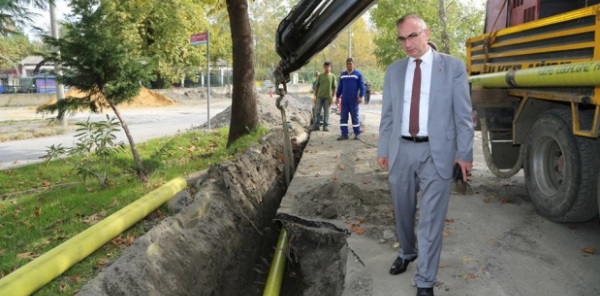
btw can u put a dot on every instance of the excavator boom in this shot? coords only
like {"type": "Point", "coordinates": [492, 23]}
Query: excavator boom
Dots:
{"type": "Point", "coordinates": [310, 27]}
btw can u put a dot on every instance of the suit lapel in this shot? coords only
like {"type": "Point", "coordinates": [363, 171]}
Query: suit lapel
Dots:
{"type": "Point", "coordinates": [436, 68]}
{"type": "Point", "coordinates": [401, 81]}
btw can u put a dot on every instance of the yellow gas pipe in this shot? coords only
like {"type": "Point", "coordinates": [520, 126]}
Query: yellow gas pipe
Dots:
{"type": "Point", "coordinates": [575, 74]}
{"type": "Point", "coordinates": [45, 268]}
{"type": "Point", "coordinates": [273, 286]}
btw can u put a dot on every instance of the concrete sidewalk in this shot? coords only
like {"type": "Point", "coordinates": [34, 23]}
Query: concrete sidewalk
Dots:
{"type": "Point", "coordinates": [494, 242]}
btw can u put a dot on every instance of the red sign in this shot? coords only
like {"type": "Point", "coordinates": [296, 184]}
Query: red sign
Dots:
{"type": "Point", "coordinates": [198, 38]}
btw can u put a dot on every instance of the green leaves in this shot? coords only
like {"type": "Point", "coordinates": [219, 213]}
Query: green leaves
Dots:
{"type": "Point", "coordinates": [16, 12]}
{"type": "Point", "coordinates": [161, 29]}
{"type": "Point", "coordinates": [96, 56]}
{"type": "Point", "coordinates": [93, 152]}
{"type": "Point", "coordinates": [464, 20]}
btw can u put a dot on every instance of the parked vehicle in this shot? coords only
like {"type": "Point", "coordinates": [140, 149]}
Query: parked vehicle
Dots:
{"type": "Point", "coordinates": [536, 93]}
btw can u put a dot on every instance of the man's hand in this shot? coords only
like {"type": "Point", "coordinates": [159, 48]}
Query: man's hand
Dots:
{"type": "Point", "coordinates": [337, 100]}
{"type": "Point", "coordinates": [383, 162]}
{"type": "Point", "coordinates": [359, 100]}
{"type": "Point", "coordinates": [466, 168]}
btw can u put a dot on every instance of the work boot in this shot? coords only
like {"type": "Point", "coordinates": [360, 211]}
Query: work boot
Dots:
{"type": "Point", "coordinates": [315, 128]}
{"type": "Point", "coordinates": [325, 129]}
{"type": "Point", "coordinates": [342, 137]}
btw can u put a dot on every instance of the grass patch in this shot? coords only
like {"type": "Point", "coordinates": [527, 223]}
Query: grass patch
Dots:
{"type": "Point", "coordinates": [45, 204]}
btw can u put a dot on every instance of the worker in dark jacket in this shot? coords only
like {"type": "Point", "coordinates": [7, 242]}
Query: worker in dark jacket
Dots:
{"type": "Point", "coordinates": [352, 89]}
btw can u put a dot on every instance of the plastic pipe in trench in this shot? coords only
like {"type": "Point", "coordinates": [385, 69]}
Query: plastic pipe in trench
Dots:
{"type": "Point", "coordinates": [273, 286]}
{"type": "Point", "coordinates": [42, 270]}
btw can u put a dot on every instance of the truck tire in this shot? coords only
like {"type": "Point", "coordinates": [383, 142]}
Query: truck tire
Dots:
{"type": "Point", "coordinates": [487, 154]}
{"type": "Point", "coordinates": [561, 170]}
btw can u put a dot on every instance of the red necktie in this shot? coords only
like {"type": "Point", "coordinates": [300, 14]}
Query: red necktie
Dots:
{"type": "Point", "coordinates": [413, 124]}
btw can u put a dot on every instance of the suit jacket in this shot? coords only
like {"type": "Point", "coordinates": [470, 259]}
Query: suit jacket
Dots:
{"type": "Point", "coordinates": [450, 122]}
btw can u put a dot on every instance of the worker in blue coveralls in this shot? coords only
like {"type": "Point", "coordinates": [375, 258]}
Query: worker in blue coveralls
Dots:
{"type": "Point", "coordinates": [351, 89]}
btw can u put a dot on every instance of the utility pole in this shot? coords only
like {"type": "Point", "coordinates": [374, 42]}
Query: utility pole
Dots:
{"type": "Point", "coordinates": [350, 41]}
{"type": "Point", "coordinates": [60, 95]}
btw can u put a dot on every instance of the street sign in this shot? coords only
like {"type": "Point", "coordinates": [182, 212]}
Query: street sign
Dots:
{"type": "Point", "coordinates": [199, 38]}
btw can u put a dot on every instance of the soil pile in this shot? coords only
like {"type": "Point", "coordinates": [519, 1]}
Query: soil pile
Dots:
{"type": "Point", "coordinates": [182, 95]}
{"type": "Point", "coordinates": [146, 98]}
{"type": "Point", "coordinates": [298, 110]}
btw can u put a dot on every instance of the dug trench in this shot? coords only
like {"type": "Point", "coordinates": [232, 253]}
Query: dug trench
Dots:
{"type": "Point", "coordinates": [223, 239]}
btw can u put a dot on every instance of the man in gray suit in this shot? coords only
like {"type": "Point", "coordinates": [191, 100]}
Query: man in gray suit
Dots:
{"type": "Point", "coordinates": [426, 128]}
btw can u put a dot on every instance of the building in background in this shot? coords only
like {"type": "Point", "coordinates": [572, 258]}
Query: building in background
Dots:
{"type": "Point", "coordinates": [24, 78]}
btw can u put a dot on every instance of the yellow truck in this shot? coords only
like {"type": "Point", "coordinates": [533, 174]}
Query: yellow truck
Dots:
{"type": "Point", "coordinates": [535, 87]}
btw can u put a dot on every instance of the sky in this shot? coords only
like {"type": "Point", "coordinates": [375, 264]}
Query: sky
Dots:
{"type": "Point", "coordinates": [42, 20]}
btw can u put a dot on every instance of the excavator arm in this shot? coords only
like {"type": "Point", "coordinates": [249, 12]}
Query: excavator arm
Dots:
{"type": "Point", "coordinates": [310, 27]}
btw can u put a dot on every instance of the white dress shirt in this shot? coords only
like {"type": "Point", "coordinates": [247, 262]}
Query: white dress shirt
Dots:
{"type": "Point", "coordinates": [426, 65]}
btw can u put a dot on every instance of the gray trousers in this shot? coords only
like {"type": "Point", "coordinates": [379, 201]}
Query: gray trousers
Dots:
{"type": "Point", "coordinates": [322, 103]}
{"type": "Point", "coordinates": [414, 171]}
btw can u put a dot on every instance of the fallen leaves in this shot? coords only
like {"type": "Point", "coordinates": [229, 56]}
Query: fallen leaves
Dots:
{"type": "Point", "coordinates": [355, 227]}
{"type": "Point", "coordinates": [114, 203]}
{"type": "Point", "coordinates": [26, 255]}
{"type": "Point", "coordinates": [94, 218]}
{"type": "Point", "coordinates": [358, 230]}
{"type": "Point", "coordinates": [470, 276]}
{"type": "Point", "coordinates": [62, 288]}
{"type": "Point", "coordinates": [121, 242]}
{"type": "Point", "coordinates": [159, 214]}
{"type": "Point", "coordinates": [589, 250]}
{"type": "Point", "coordinates": [37, 212]}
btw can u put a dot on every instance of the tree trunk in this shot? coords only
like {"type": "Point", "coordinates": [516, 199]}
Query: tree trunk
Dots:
{"type": "Point", "coordinates": [445, 48]}
{"type": "Point", "coordinates": [139, 168]}
{"type": "Point", "coordinates": [244, 116]}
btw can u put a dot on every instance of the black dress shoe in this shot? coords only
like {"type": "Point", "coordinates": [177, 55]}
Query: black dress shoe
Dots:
{"type": "Point", "coordinates": [424, 291]}
{"type": "Point", "coordinates": [400, 265]}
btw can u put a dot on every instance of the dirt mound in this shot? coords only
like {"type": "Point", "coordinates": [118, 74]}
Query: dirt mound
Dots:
{"type": "Point", "coordinates": [146, 98]}
{"type": "Point", "coordinates": [297, 110]}
{"type": "Point", "coordinates": [182, 95]}
{"type": "Point", "coordinates": [348, 201]}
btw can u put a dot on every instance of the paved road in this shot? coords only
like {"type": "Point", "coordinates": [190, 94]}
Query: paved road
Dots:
{"type": "Point", "coordinates": [144, 123]}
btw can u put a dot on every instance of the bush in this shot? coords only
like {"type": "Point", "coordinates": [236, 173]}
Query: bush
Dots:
{"type": "Point", "coordinates": [92, 154]}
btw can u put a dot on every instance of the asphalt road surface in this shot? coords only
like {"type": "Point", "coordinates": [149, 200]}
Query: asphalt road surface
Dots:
{"type": "Point", "coordinates": [144, 124]}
